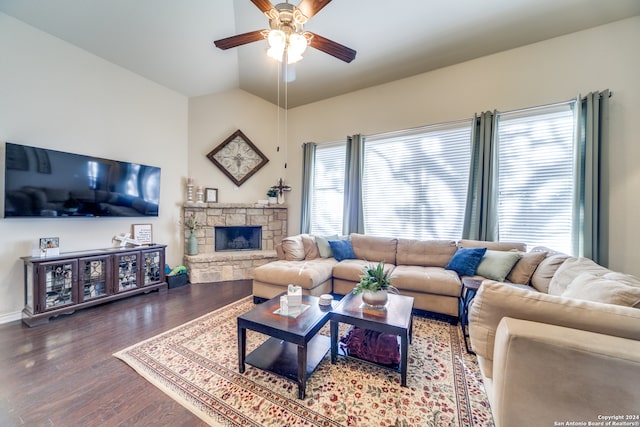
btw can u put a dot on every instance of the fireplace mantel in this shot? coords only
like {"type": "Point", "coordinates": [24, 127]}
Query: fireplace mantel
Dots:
{"type": "Point", "coordinates": [211, 266]}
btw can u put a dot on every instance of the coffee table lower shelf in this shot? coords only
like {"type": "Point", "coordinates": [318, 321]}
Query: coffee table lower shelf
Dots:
{"type": "Point", "coordinates": [281, 357]}
{"type": "Point", "coordinates": [344, 352]}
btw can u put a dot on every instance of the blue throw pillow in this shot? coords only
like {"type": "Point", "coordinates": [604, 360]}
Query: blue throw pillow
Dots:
{"type": "Point", "coordinates": [342, 249]}
{"type": "Point", "coordinates": [466, 260]}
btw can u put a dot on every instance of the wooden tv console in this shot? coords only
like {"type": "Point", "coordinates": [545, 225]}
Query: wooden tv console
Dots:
{"type": "Point", "coordinates": [71, 281]}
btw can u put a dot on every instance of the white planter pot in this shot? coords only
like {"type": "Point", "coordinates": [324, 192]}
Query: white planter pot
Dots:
{"type": "Point", "coordinates": [375, 299]}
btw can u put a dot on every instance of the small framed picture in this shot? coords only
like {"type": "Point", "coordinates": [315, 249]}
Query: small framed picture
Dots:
{"type": "Point", "coordinates": [211, 195]}
{"type": "Point", "coordinates": [49, 242]}
{"type": "Point", "coordinates": [143, 233]}
{"type": "Point", "coordinates": [49, 246]}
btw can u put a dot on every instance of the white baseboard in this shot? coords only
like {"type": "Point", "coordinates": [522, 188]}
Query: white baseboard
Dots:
{"type": "Point", "coordinates": [10, 317]}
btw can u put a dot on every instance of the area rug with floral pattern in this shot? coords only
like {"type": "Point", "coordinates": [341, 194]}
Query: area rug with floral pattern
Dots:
{"type": "Point", "coordinates": [196, 364]}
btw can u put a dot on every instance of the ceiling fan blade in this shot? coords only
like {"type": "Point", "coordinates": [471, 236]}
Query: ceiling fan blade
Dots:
{"type": "Point", "coordinates": [311, 7]}
{"type": "Point", "coordinates": [239, 39]}
{"type": "Point", "coordinates": [263, 5]}
{"type": "Point", "coordinates": [332, 48]}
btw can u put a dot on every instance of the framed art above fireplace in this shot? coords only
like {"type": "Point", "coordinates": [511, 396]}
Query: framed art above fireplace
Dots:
{"type": "Point", "coordinates": [238, 158]}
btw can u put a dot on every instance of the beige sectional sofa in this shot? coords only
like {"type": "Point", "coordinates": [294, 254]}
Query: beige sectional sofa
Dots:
{"type": "Point", "coordinates": [417, 268]}
{"type": "Point", "coordinates": [558, 341]}
{"type": "Point", "coordinates": [566, 348]}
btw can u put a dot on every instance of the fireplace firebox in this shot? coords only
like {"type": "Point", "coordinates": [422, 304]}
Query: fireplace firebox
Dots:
{"type": "Point", "coordinates": [238, 238]}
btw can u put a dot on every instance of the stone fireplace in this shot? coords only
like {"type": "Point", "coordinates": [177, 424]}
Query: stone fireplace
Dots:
{"type": "Point", "coordinates": [241, 222]}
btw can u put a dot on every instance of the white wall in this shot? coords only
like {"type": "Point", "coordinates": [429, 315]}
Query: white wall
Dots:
{"type": "Point", "coordinates": [57, 96]}
{"type": "Point", "coordinates": [546, 72]}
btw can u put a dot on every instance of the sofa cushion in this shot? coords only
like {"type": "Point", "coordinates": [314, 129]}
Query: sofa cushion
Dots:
{"type": "Point", "coordinates": [310, 247]}
{"type": "Point", "coordinates": [323, 245]}
{"type": "Point", "coordinates": [589, 287]}
{"type": "Point", "coordinates": [307, 274]}
{"type": "Point", "coordinates": [627, 279]}
{"type": "Point", "coordinates": [523, 270]}
{"type": "Point", "coordinates": [426, 253]}
{"type": "Point", "coordinates": [293, 248]}
{"type": "Point", "coordinates": [496, 265]}
{"type": "Point", "coordinates": [546, 269]}
{"type": "Point", "coordinates": [433, 280]}
{"type": "Point", "coordinates": [570, 269]}
{"type": "Point", "coordinates": [466, 260]}
{"type": "Point", "coordinates": [352, 269]}
{"type": "Point", "coordinates": [374, 249]}
{"type": "Point", "coordinates": [342, 249]}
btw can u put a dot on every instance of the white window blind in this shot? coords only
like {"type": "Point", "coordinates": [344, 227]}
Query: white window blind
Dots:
{"type": "Point", "coordinates": [415, 182]}
{"type": "Point", "coordinates": [328, 189]}
{"type": "Point", "coordinates": [536, 176]}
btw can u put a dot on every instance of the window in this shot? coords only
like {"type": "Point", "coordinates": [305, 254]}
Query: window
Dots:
{"type": "Point", "coordinates": [415, 182]}
{"type": "Point", "coordinates": [536, 176]}
{"type": "Point", "coordinates": [328, 189]}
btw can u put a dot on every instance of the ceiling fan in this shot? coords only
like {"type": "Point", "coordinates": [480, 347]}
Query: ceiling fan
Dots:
{"type": "Point", "coordinates": [286, 36]}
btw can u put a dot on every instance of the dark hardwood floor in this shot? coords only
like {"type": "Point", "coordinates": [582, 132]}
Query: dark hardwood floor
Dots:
{"type": "Point", "coordinates": [63, 373]}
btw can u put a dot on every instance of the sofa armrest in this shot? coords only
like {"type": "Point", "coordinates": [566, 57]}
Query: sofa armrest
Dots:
{"type": "Point", "coordinates": [545, 374]}
{"type": "Point", "coordinates": [495, 301]}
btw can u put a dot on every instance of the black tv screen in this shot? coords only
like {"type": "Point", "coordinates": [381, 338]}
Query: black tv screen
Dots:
{"type": "Point", "coordinates": [39, 182]}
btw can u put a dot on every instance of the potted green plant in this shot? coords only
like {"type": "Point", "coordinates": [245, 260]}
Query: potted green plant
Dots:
{"type": "Point", "coordinates": [374, 285]}
{"type": "Point", "coordinates": [272, 194]}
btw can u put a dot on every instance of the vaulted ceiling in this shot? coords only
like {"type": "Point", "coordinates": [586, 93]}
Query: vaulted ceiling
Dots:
{"type": "Point", "coordinates": [170, 42]}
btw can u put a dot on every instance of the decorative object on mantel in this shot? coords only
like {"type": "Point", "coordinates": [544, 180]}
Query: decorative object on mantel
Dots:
{"type": "Point", "coordinates": [192, 223]}
{"type": "Point", "coordinates": [199, 194]}
{"type": "Point", "coordinates": [272, 194]}
{"type": "Point", "coordinates": [189, 189]}
{"type": "Point", "coordinates": [238, 158]}
{"type": "Point", "coordinates": [280, 188]}
{"type": "Point", "coordinates": [125, 239]}
{"type": "Point", "coordinates": [211, 195]}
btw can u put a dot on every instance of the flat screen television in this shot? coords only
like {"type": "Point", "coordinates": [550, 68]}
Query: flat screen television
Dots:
{"type": "Point", "coordinates": [39, 182]}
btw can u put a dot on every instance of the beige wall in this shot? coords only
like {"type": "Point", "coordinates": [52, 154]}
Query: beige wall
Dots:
{"type": "Point", "coordinates": [54, 95]}
{"type": "Point", "coordinates": [547, 72]}
{"type": "Point", "coordinates": [212, 119]}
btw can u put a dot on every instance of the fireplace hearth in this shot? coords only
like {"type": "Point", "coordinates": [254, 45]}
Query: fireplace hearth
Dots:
{"type": "Point", "coordinates": [238, 238]}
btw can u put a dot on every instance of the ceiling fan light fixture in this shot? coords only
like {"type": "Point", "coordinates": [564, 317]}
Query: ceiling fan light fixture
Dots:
{"type": "Point", "coordinates": [293, 44]}
{"type": "Point", "coordinates": [286, 34]}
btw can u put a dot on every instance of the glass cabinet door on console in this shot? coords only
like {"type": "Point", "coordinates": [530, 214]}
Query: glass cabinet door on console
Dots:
{"type": "Point", "coordinates": [127, 271]}
{"type": "Point", "coordinates": [94, 277]}
{"type": "Point", "coordinates": [153, 267]}
{"type": "Point", "coordinates": [58, 280]}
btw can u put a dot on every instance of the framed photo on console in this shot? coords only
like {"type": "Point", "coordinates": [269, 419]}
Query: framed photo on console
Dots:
{"type": "Point", "coordinates": [143, 233]}
{"type": "Point", "coordinates": [49, 246]}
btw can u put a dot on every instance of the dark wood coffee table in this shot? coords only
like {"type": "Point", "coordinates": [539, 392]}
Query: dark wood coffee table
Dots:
{"type": "Point", "coordinates": [294, 350]}
{"type": "Point", "coordinates": [395, 319]}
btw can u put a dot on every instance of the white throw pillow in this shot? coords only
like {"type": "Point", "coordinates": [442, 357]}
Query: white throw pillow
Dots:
{"type": "Point", "coordinates": [495, 265]}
